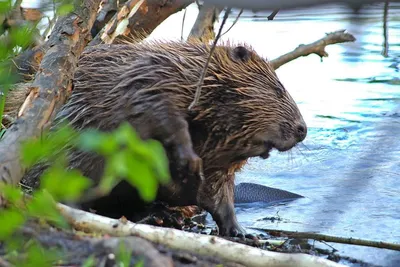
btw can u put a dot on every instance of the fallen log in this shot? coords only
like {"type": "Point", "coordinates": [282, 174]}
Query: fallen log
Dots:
{"type": "Point", "coordinates": [200, 244]}
{"type": "Point", "coordinates": [50, 88]}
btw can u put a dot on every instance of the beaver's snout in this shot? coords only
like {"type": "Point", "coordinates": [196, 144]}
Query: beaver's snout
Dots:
{"type": "Point", "coordinates": [301, 131]}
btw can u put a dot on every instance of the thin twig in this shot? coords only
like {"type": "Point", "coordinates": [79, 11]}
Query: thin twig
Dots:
{"type": "Point", "coordinates": [203, 74]}
{"type": "Point", "coordinates": [334, 239]}
{"type": "Point", "coordinates": [385, 30]}
{"type": "Point", "coordinates": [233, 24]}
{"type": "Point", "coordinates": [183, 23]}
{"type": "Point", "coordinates": [273, 14]}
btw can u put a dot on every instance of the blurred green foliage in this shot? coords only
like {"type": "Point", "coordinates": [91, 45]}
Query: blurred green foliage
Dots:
{"type": "Point", "coordinates": [144, 164]}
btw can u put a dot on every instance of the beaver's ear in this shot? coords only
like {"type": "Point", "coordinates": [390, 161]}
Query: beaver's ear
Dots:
{"type": "Point", "coordinates": [241, 53]}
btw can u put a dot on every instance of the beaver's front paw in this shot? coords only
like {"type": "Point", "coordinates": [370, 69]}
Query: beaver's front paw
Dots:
{"type": "Point", "coordinates": [188, 158]}
{"type": "Point", "coordinates": [224, 216]}
{"type": "Point", "coordinates": [231, 229]}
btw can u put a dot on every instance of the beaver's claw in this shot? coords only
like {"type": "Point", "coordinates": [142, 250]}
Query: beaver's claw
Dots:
{"type": "Point", "coordinates": [187, 157]}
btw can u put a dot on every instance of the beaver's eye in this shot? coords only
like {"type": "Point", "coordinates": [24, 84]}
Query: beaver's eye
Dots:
{"type": "Point", "coordinates": [241, 53]}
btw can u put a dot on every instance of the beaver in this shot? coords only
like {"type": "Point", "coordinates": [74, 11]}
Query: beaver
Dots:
{"type": "Point", "coordinates": [244, 111]}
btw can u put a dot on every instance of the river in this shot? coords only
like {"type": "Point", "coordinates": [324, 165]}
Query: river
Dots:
{"type": "Point", "coordinates": [348, 167]}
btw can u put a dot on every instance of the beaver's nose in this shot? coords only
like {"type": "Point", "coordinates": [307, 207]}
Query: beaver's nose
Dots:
{"type": "Point", "coordinates": [301, 132]}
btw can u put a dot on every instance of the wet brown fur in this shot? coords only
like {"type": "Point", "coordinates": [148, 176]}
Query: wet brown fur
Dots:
{"type": "Point", "coordinates": [244, 111]}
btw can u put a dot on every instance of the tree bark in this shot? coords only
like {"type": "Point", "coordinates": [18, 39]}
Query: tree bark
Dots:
{"type": "Point", "coordinates": [137, 19]}
{"type": "Point", "coordinates": [203, 28]}
{"type": "Point", "coordinates": [27, 63]}
{"type": "Point", "coordinates": [108, 10]}
{"type": "Point", "coordinates": [50, 89]}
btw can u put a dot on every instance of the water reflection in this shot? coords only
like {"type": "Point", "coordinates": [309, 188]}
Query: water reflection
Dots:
{"type": "Point", "coordinates": [349, 165]}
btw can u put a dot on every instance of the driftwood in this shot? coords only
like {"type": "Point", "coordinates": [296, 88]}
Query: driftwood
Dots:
{"type": "Point", "coordinates": [317, 47]}
{"type": "Point", "coordinates": [137, 19]}
{"type": "Point", "coordinates": [201, 244]}
{"type": "Point", "coordinates": [50, 89]}
{"type": "Point", "coordinates": [334, 239]}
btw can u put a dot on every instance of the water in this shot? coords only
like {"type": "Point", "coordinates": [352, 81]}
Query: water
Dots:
{"type": "Point", "coordinates": [349, 166]}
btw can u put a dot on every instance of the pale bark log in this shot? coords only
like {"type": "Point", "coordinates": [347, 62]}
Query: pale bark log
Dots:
{"type": "Point", "coordinates": [197, 243]}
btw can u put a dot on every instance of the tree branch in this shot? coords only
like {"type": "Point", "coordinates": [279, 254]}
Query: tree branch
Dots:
{"type": "Point", "coordinates": [108, 10]}
{"type": "Point", "coordinates": [203, 28]}
{"type": "Point", "coordinates": [317, 47]}
{"type": "Point", "coordinates": [273, 14]}
{"type": "Point", "coordinates": [137, 19]}
{"type": "Point", "coordinates": [211, 246]}
{"type": "Point", "coordinates": [334, 239]}
{"type": "Point", "coordinates": [50, 89]}
{"type": "Point", "coordinates": [385, 30]}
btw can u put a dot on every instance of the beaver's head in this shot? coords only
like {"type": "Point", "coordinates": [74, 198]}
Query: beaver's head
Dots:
{"type": "Point", "coordinates": [245, 108]}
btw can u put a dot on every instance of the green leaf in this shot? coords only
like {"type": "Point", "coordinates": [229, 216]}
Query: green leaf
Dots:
{"type": "Point", "coordinates": [64, 9]}
{"type": "Point", "coordinates": [96, 141]}
{"type": "Point", "coordinates": [159, 160]}
{"type": "Point", "coordinates": [140, 263]}
{"type": "Point", "coordinates": [72, 181]}
{"type": "Point", "coordinates": [5, 81]}
{"type": "Point", "coordinates": [109, 179]}
{"type": "Point", "coordinates": [126, 135]}
{"type": "Point", "coordinates": [43, 206]}
{"type": "Point", "coordinates": [14, 244]}
{"type": "Point", "coordinates": [2, 132]}
{"type": "Point", "coordinates": [89, 262]}
{"type": "Point", "coordinates": [123, 255]}
{"type": "Point", "coordinates": [11, 193]}
{"type": "Point", "coordinates": [21, 36]}
{"type": "Point", "coordinates": [141, 176]}
{"type": "Point", "coordinates": [32, 151]}
{"type": "Point", "coordinates": [10, 221]}
{"type": "Point", "coordinates": [37, 256]}
{"type": "Point", "coordinates": [5, 6]}
{"type": "Point", "coordinates": [48, 147]}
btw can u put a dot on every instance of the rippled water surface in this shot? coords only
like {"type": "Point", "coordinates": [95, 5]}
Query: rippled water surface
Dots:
{"type": "Point", "coordinates": [349, 165]}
